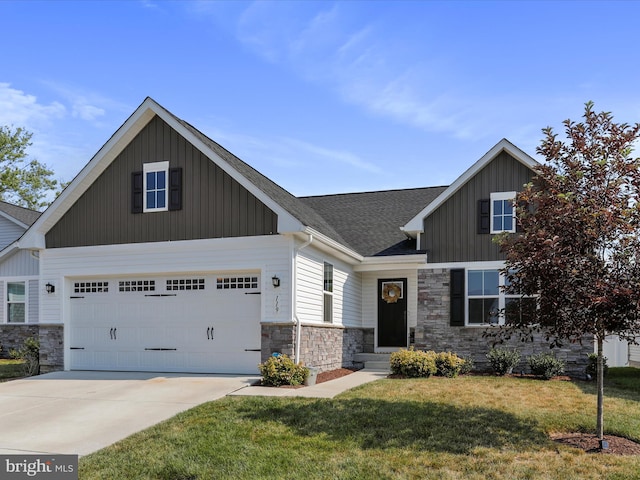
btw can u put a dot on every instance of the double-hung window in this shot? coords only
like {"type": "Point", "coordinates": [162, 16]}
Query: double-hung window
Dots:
{"type": "Point", "coordinates": [487, 303]}
{"type": "Point", "coordinates": [16, 302]}
{"type": "Point", "coordinates": [328, 293]}
{"type": "Point", "coordinates": [155, 186]}
{"type": "Point", "coordinates": [503, 213]}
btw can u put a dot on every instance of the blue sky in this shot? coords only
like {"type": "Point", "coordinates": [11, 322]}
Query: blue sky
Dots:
{"type": "Point", "coordinates": [322, 97]}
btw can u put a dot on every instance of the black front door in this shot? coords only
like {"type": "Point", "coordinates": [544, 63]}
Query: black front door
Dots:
{"type": "Point", "coordinates": [392, 313]}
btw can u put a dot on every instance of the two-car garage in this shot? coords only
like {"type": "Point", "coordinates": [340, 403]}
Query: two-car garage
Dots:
{"type": "Point", "coordinates": [195, 323]}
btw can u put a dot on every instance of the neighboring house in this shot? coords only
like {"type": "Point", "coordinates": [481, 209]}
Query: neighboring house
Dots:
{"type": "Point", "coordinates": [168, 253]}
{"type": "Point", "coordinates": [19, 290]}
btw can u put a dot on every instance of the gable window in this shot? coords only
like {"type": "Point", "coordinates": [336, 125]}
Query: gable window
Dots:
{"type": "Point", "coordinates": [328, 293]}
{"type": "Point", "coordinates": [503, 214]}
{"type": "Point", "coordinates": [16, 302]}
{"type": "Point", "coordinates": [155, 186]}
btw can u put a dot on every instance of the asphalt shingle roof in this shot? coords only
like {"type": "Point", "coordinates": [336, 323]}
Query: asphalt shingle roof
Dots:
{"type": "Point", "coordinates": [23, 215]}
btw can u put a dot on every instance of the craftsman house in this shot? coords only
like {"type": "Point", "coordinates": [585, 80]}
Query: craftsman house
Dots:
{"type": "Point", "coordinates": [168, 253]}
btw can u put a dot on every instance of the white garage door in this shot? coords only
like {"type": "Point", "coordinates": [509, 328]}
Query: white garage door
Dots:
{"type": "Point", "coordinates": [203, 324]}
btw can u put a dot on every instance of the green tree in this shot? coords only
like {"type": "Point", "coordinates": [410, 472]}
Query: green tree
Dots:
{"type": "Point", "coordinates": [579, 250]}
{"type": "Point", "coordinates": [23, 181]}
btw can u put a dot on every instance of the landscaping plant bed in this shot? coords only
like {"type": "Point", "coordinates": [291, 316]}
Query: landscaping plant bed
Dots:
{"type": "Point", "coordinates": [326, 376]}
{"type": "Point", "coordinates": [590, 443]}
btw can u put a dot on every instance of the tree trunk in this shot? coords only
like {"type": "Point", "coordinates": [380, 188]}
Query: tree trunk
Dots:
{"type": "Point", "coordinates": [600, 381]}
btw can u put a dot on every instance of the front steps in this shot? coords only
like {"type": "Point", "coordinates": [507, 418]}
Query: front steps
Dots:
{"type": "Point", "coordinates": [373, 361]}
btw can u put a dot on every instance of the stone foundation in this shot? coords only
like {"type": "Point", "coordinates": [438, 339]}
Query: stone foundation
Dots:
{"type": "Point", "coordinates": [326, 347]}
{"type": "Point", "coordinates": [12, 337]}
{"type": "Point", "coordinates": [433, 331]}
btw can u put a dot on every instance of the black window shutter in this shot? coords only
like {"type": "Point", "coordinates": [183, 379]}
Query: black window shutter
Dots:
{"type": "Point", "coordinates": [484, 216]}
{"type": "Point", "coordinates": [136, 192]}
{"type": "Point", "coordinates": [458, 300]}
{"type": "Point", "coordinates": [175, 188]}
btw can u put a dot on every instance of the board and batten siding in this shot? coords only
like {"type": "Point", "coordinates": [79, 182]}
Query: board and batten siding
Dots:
{"type": "Point", "coordinates": [213, 204]}
{"type": "Point", "coordinates": [451, 231]}
{"type": "Point", "coordinates": [370, 296]}
{"type": "Point", "coordinates": [268, 255]}
{"type": "Point", "coordinates": [9, 232]}
{"type": "Point", "coordinates": [20, 263]}
{"type": "Point", "coordinates": [347, 289]}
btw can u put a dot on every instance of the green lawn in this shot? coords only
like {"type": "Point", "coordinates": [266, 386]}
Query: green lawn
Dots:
{"type": "Point", "coordinates": [465, 428]}
{"type": "Point", "coordinates": [10, 369]}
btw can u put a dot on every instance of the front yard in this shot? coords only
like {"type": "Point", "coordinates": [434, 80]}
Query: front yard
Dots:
{"type": "Point", "coordinates": [472, 427]}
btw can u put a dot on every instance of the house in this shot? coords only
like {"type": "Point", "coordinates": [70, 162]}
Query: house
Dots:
{"type": "Point", "coordinates": [168, 253]}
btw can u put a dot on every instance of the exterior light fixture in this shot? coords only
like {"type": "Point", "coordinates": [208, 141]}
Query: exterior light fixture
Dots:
{"type": "Point", "coordinates": [50, 288]}
{"type": "Point", "coordinates": [276, 281]}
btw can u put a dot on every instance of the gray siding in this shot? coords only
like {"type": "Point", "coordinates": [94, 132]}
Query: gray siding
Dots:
{"type": "Point", "coordinates": [20, 264]}
{"type": "Point", "coordinates": [213, 204]}
{"type": "Point", "coordinates": [9, 232]}
{"type": "Point", "coordinates": [33, 298]}
{"type": "Point", "coordinates": [450, 232]}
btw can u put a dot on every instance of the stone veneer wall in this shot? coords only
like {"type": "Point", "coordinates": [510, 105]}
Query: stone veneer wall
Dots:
{"type": "Point", "coordinates": [326, 347]}
{"type": "Point", "coordinates": [12, 336]}
{"type": "Point", "coordinates": [433, 331]}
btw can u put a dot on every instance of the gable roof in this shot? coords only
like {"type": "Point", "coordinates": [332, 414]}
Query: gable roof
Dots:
{"type": "Point", "coordinates": [370, 221]}
{"type": "Point", "coordinates": [293, 214]}
{"type": "Point", "coordinates": [414, 225]}
{"type": "Point", "coordinates": [18, 215]}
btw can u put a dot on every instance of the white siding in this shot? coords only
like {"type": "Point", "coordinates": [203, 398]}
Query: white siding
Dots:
{"type": "Point", "coordinates": [347, 289]}
{"type": "Point", "coordinates": [21, 263]}
{"type": "Point", "coordinates": [33, 297]}
{"type": "Point", "coordinates": [9, 232]}
{"type": "Point", "coordinates": [270, 255]}
{"type": "Point", "coordinates": [2, 295]}
{"type": "Point", "coordinates": [634, 353]}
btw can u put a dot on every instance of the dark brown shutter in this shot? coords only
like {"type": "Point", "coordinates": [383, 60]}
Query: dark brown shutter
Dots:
{"type": "Point", "coordinates": [136, 192]}
{"type": "Point", "coordinates": [175, 188]}
{"type": "Point", "coordinates": [484, 216]}
{"type": "Point", "coordinates": [457, 297]}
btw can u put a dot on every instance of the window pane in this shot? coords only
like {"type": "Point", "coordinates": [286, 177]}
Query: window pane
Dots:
{"type": "Point", "coordinates": [15, 292]}
{"type": "Point", "coordinates": [328, 308]}
{"type": "Point", "coordinates": [508, 223]}
{"type": "Point", "coordinates": [507, 207]}
{"type": "Point", "coordinates": [16, 313]}
{"type": "Point", "coordinates": [160, 203]}
{"type": "Point", "coordinates": [475, 282]}
{"type": "Point", "coordinates": [151, 200]}
{"type": "Point", "coordinates": [497, 207]}
{"type": "Point", "coordinates": [497, 224]}
{"type": "Point", "coordinates": [162, 181]}
{"type": "Point", "coordinates": [328, 277]}
{"type": "Point", "coordinates": [491, 282]}
{"type": "Point", "coordinates": [151, 181]}
{"type": "Point", "coordinates": [476, 311]}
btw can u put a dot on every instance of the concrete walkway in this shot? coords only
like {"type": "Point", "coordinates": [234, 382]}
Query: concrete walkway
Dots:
{"type": "Point", "coordinates": [322, 390]}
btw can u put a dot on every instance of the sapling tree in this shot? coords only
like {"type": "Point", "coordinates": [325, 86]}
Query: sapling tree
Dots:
{"type": "Point", "coordinates": [578, 252]}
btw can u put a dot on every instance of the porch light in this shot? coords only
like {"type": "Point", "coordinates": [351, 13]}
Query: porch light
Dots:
{"type": "Point", "coordinates": [50, 288]}
{"type": "Point", "coordinates": [276, 281]}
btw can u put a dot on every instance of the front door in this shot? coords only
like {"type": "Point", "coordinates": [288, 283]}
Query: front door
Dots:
{"type": "Point", "coordinates": [392, 313]}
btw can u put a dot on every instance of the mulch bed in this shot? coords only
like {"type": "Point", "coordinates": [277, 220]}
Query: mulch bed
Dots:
{"type": "Point", "coordinates": [326, 376]}
{"type": "Point", "coordinates": [590, 444]}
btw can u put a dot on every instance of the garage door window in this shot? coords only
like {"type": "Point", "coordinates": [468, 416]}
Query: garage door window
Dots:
{"type": "Point", "coordinates": [91, 287]}
{"type": "Point", "coordinates": [185, 284]}
{"type": "Point", "coordinates": [16, 302]}
{"type": "Point", "coordinates": [231, 283]}
{"type": "Point", "coordinates": [137, 286]}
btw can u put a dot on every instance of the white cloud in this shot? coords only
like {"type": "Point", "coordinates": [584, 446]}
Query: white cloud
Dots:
{"type": "Point", "coordinates": [23, 110]}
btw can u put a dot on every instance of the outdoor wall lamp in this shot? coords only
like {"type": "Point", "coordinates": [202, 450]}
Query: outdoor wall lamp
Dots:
{"type": "Point", "coordinates": [276, 281]}
{"type": "Point", "coordinates": [50, 288]}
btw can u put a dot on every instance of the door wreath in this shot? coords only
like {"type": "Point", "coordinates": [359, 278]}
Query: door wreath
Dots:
{"type": "Point", "coordinates": [391, 292]}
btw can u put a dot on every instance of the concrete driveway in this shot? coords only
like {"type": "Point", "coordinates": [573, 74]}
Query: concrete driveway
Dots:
{"type": "Point", "coordinates": [81, 412]}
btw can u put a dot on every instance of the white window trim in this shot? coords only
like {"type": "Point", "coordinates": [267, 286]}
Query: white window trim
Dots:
{"type": "Point", "coordinates": [327, 293]}
{"type": "Point", "coordinates": [155, 167]}
{"type": "Point", "coordinates": [503, 196]}
{"type": "Point", "coordinates": [5, 300]}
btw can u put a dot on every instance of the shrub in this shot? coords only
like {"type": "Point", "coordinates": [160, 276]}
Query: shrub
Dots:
{"type": "Point", "coordinates": [502, 360]}
{"type": "Point", "coordinates": [281, 370]}
{"type": "Point", "coordinates": [546, 365]}
{"type": "Point", "coordinates": [413, 363]}
{"type": "Point", "coordinates": [467, 365]}
{"type": "Point", "coordinates": [448, 364]}
{"type": "Point", "coordinates": [592, 366]}
{"type": "Point", "coordinates": [30, 355]}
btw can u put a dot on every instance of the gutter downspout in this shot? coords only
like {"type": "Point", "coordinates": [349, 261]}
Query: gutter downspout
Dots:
{"type": "Point", "coordinates": [295, 296]}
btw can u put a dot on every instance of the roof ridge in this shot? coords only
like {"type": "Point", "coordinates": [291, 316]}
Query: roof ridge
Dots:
{"type": "Point", "coordinates": [373, 191]}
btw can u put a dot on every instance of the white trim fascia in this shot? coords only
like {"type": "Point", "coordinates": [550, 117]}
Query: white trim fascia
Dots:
{"type": "Point", "coordinates": [8, 250]}
{"type": "Point", "coordinates": [13, 219]}
{"type": "Point", "coordinates": [392, 262]}
{"type": "Point", "coordinates": [414, 225]}
{"type": "Point", "coordinates": [34, 236]}
{"type": "Point", "coordinates": [476, 265]}
{"type": "Point", "coordinates": [336, 248]}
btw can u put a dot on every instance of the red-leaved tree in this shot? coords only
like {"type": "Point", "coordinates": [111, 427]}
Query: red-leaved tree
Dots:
{"type": "Point", "coordinates": [578, 251]}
